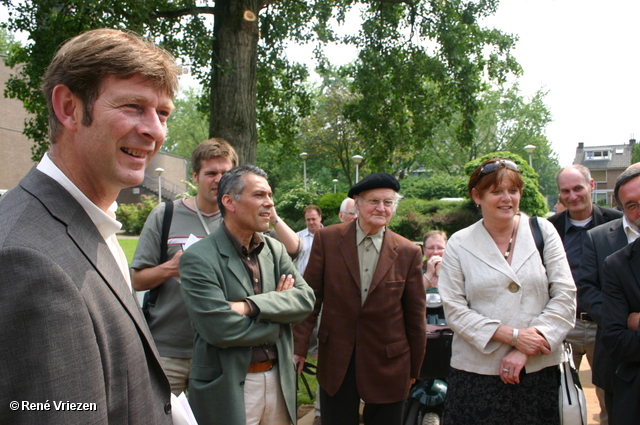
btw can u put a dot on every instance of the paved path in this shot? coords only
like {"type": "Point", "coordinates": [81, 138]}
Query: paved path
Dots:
{"type": "Point", "coordinates": [593, 408]}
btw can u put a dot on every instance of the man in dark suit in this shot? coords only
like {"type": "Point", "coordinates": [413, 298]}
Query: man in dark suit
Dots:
{"type": "Point", "coordinates": [74, 345]}
{"type": "Point", "coordinates": [575, 186]}
{"type": "Point", "coordinates": [620, 317]}
{"type": "Point", "coordinates": [368, 283]}
{"type": "Point", "coordinates": [599, 243]}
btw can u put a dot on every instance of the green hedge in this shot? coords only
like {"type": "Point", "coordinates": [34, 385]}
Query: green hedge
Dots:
{"type": "Point", "coordinates": [133, 216]}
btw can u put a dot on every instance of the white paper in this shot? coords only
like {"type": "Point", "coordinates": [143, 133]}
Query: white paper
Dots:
{"type": "Point", "coordinates": [190, 241]}
{"type": "Point", "coordinates": [181, 411]}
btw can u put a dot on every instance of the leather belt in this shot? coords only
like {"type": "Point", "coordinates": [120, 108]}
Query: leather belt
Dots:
{"type": "Point", "coordinates": [261, 366]}
{"type": "Point", "coordinates": [584, 317]}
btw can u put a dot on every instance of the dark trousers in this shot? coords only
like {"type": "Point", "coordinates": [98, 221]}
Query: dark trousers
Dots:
{"type": "Point", "coordinates": [343, 408]}
{"type": "Point", "coordinates": [608, 402]}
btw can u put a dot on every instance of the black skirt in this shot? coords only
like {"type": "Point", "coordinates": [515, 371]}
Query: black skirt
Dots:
{"type": "Point", "coordinates": [484, 399]}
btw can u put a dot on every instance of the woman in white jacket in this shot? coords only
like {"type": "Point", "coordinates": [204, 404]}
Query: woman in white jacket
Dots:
{"type": "Point", "coordinates": [510, 315]}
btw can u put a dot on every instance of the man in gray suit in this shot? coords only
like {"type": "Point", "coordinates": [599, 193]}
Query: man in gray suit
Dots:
{"type": "Point", "coordinates": [74, 345]}
{"type": "Point", "coordinates": [599, 243]}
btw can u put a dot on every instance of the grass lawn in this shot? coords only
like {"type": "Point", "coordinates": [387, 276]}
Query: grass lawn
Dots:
{"type": "Point", "coordinates": [129, 247]}
{"type": "Point", "coordinates": [303, 395]}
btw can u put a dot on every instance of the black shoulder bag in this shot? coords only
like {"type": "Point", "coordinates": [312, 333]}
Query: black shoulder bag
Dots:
{"type": "Point", "coordinates": [151, 296]}
{"type": "Point", "coordinates": [537, 236]}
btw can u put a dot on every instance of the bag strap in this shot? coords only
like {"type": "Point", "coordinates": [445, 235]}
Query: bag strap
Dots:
{"type": "Point", "coordinates": [166, 225]}
{"type": "Point", "coordinates": [537, 236]}
{"type": "Point", "coordinates": [152, 295]}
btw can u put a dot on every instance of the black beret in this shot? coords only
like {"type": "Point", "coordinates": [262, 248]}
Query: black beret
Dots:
{"type": "Point", "coordinates": [375, 181]}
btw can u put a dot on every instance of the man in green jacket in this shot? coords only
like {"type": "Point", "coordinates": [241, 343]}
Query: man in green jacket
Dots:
{"type": "Point", "coordinates": [243, 293]}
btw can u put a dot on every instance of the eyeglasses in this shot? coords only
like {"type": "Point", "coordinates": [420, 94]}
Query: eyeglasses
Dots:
{"type": "Point", "coordinates": [388, 203]}
{"type": "Point", "coordinates": [493, 166]}
{"type": "Point", "coordinates": [434, 248]}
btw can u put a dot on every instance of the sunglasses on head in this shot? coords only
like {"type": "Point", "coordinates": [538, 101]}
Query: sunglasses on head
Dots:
{"type": "Point", "coordinates": [493, 166]}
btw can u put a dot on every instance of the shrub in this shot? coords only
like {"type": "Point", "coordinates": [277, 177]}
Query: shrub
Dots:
{"type": "Point", "coordinates": [291, 200]}
{"type": "Point", "coordinates": [411, 226]}
{"type": "Point", "coordinates": [133, 216]}
{"type": "Point", "coordinates": [330, 205]}
{"type": "Point", "coordinates": [415, 217]}
{"type": "Point", "coordinates": [435, 187]}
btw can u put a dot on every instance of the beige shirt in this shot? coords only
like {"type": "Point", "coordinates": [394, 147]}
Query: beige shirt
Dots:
{"type": "Point", "coordinates": [368, 253]}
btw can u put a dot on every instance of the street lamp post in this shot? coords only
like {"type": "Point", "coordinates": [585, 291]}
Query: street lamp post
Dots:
{"type": "Point", "coordinates": [357, 159]}
{"type": "Point", "coordinates": [159, 171]}
{"type": "Point", "coordinates": [304, 156]}
{"type": "Point", "coordinates": [335, 181]}
{"type": "Point", "coordinates": [530, 149]}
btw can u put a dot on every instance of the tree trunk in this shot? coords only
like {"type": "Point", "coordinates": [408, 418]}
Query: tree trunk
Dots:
{"type": "Point", "coordinates": [233, 77]}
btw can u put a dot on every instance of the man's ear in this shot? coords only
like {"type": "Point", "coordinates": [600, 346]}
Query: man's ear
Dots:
{"type": "Point", "coordinates": [67, 107]}
{"type": "Point", "coordinates": [228, 203]}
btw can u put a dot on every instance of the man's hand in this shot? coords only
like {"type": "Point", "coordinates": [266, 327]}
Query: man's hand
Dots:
{"type": "Point", "coordinates": [299, 360]}
{"type": "Point", "coordinates": [241, 307]}
{"type": "Point", "coordinates": [273, 217]}
{"type": "Point", "coordinates": [173, 264]}
{"type": "Point", "coordinates": [632, 321]}
{"type": "Point", "coordinates": [285, 282]}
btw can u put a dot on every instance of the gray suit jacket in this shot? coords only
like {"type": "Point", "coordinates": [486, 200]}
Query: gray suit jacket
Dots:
{"type": "Point", "coordinates": [598, 244]}
{"type": "Point", "coordinates": [71, 328]}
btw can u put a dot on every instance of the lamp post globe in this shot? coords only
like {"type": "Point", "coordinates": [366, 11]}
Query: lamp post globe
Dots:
{"type": "Point", "coordinates": [357, 159]}
{"type": "Point", "coordinates": [530, 149]}
{"type": "Point", "coordinates": [159, 172]}
{"type": "Point", "coordinates": [304, 156]}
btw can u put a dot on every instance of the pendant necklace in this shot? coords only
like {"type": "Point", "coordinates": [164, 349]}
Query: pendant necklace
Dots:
{"type": "Point", "coordinates": [513, 232]}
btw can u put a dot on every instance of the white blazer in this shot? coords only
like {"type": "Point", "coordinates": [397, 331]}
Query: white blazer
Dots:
{"type": "Point", "coordinates": [481, 291]}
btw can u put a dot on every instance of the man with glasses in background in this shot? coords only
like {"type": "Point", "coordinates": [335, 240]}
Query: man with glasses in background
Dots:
{"type": "Point", "coordinates": [348, 212]}
{"type": "Point", "coordinates": [600, 243]}
{"type": "Point", "coordinates": [368, 283]}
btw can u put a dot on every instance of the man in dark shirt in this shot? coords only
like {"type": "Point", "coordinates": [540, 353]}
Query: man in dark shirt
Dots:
{"type": "Point", "coordinates": [242, 293]}
{"type": "Point", "coordinates": [575, 186]}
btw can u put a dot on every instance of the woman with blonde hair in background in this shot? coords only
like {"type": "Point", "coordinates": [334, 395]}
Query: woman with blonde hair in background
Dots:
{"type": "Point", "coordinates": [433, 246]}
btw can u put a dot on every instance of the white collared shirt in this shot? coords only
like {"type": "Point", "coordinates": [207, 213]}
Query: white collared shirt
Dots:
{"type": "Point", "coordinates": [632, 234]}
{"type": "Point", "coordinates": [306, 239]}
{"type": "Point", "coordinates": [106, 224]}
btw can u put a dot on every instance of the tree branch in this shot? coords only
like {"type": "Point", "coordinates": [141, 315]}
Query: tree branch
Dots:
{"type": "Point", "coordinates": [172, 14]}
{"type": "Point", "coordinates": [408, 2]}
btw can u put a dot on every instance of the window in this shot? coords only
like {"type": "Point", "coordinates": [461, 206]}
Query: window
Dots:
{"type": "Point", "coordinates": [599, 176]}
{"type": "Point", "coordinates": [600, 198]}
{"type": "Point", "coordinates": [595, 155]}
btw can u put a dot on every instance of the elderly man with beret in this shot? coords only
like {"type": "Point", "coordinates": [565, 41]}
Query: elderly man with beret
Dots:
{"type": "Point", "coordinates": [368, 283]}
